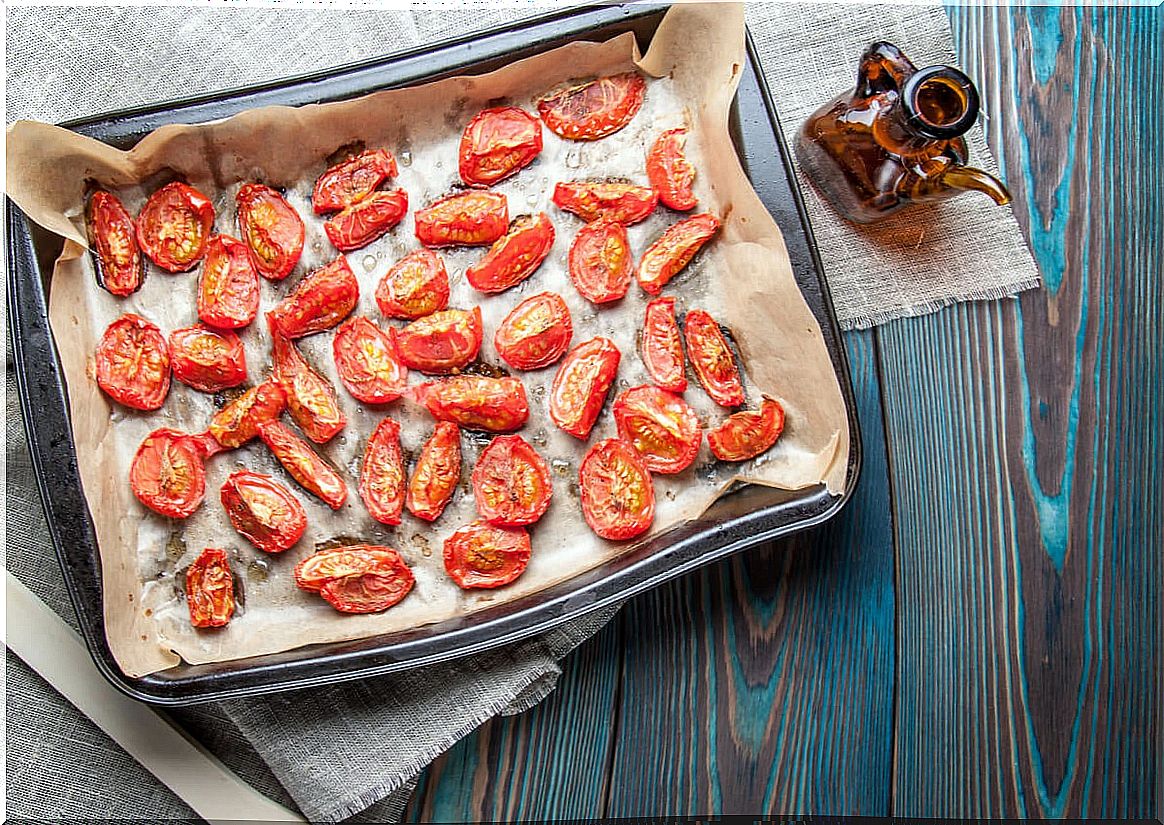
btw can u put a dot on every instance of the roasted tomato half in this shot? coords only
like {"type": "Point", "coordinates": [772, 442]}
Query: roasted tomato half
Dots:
{"type": "Point", "coordinates": [495, 405]}
{"type": "Point", "coordinates": [661, 426]}
{"type": "Point", "coordinates": [535, 333]}
{"type": "Point", "coordinates": [497, 143]}
{"type": "Point", "coordinates": [464, 219]}
{"type": "Point", "coordinates": [207, 359]}
{"type": "Point", "coordinates": [271, 228]}
{"type": "Point", "coordinates": [662, 347]}
{"type": "Point", "coordinates": [593, 110]}
{"type": "Point", "coordinates": [417, 285]}
{"type": "Point", "coordinates": [167, 473]}
{"type": "Point", "coordinates": [352, 180]}
{"type": "Point", "coordinates": [748, 433]}
{"type": "Point", "coordinates": [133, 363]}
{"type": "Point", "coordinates": [363, 222]}
{"type": "Point", "coordinates": [304, 464]}
{"type": "Point", "coordinates": [366, 362]}
{"type": "Point", "coordinates": [618, 497]}
{"type": "Point", "coordinates": [442, 342]}
{"type": "Point", "coordinates": [238, 422]}
{"type": "Point", "coordinates": [313, 572]}
{"type": "Point", "coordinates": [581, 383]}
{"type": "Point", "coordinates": [511, 482]}
{"type": "Point", "coordinates": [382, 481]}
{"type": "Point", "coordinates": [174, 226]}
{"type": "Point", "coordinates": [712, 359]}
{"type": "Point", "coordinates": [320, 301]}
{"type": "Point", "coordinates": [606, 200]}
{"type": "Point", "coordinates": [114, 241]}
{"type": "Point", "coordinates": [310, 397]}
{"type": "Point", "coordinates": [669, 171]}
{"type": "Point", "coordinates": [437, 472]}
{"type": "Point", "coordinates": [210, 589]}
{"type": "Point", "coordinates": [514, 257]}
{"type": "Point", "coordinates": [263, 511]}
{"type": "Point", "coordinates": [673, 250]}
{"type": "Point", "coordinates": [483, 555]}
{"type": "Point", "coordinates": [600, 261]}
{"type": "Point", "coordinates": [228, 289]}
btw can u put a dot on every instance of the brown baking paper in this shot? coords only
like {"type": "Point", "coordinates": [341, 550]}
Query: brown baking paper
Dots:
{"type": "Point", "coordinates": [743, 278]}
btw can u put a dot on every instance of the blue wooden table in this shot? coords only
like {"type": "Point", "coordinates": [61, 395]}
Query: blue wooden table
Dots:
{"type": "Point", "coordinates": [978, 634]}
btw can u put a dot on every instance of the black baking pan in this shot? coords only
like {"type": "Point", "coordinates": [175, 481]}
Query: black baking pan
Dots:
{"type": "Point", "coordinates": [738, 520]}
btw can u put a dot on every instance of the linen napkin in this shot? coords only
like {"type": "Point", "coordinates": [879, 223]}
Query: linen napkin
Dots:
{"type": "Point", "coordinates": [356, 749]}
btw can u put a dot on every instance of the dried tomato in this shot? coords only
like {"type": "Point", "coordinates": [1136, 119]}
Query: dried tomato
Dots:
{"type": "Point", "coordinates": [669, 171]}
{"type": "Point", "coordinates": [206, 359]}
{"type": "Point", "coordinates": [712, 359]}
{"type": "Point", "coordinates": [483, 555]}
{"type": "Point", "coordinates": [228, 289]}
{"type": "Point", "coordinates": [581, 383]}
{"type": "Point", "coordinates": [174, 226]}
{"type": "Point", "coordinates": [661, 426]}
{"type": "Point", "coordinates": [673, 250]}
{"type": "Point", "coordinates": [313, 572]}
{"type": "Point", "coordinates": [263, 511]}
{"type": "Point", "coordinates": [210, 589]}
{"type": "Point", "coordinates": [497, 143]}
{"type": "Point", "coordinates": [167, 473]}
{"type": "Point", "coordinates": [365, 221]}
{"type": "Point", "coordinates": [370, 592]}
{"type": "Point", "coordinates": [618, 497]}
{"type": "Point", "coordinates": [606, 200]}
{"type": "Point", "coordinates": [437, 472]}
{"type": "Point", "coordinates": [535, 333]}
{"type": "Point", "coordinates": [662, 346]}
{"type": "Point", "coordinates": [748, 433]}
{"type": "Point", "coordinates": [366, 362]}
{"type": "Point", "coordinates": [514, 257]}
{"type": "Point", "coordinates": [415, 286]}
{"type": "Point", "coordinates": [238, 422]}
{"type": "Point", "coordinates": [511, 482]}
{"type": "Point", "coordinates": [464, 219]}
{"type": "Point", "coordinates": [319, 301]}
{"type": "Point", "coordinates": [593, 110]}
{"type": "Point", "coordinates": [497, 405]}
{"type": "Point", "coordinates": [310, 397]}
{"type": "Point", "coordinates": [440, 343]}
{"type": "Point", "coordinates": [352, 180]}
{"type": "Point", "coordinates": [304, 464]}
{"type": "Point", "coordinates": [272, 229]}
{"type": "Point", "coordinates": [382, 481]}
{"type": "Point", "coordinates": [113, 238]}
{"type": "Point", "coordinates": [133, 363]}
{"type": "Point", "coordinates": [600, 261]}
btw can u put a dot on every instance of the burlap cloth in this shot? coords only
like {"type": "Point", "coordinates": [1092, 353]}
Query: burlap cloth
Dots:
{"type": "Point", "coordinates": [356, 749]}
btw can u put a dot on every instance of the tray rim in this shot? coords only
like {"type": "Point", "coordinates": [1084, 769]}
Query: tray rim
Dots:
{"type": "Point", "coordinates": [611, 16]}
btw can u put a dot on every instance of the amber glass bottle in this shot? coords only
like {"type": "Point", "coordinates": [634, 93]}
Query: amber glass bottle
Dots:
{"type": "Point", "coordinates": [894, 139]}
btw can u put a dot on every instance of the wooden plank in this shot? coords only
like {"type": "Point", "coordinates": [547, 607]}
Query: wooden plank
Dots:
{"type": "Point", "coordinates": [551, 762]}
{"type": "Point", "coordinates": [1025, 446]}
{"type": "Point", "coordinates": [764, 683]}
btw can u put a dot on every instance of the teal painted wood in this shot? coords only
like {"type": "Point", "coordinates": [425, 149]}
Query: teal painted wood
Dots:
{"type": "Point", "coordinates": [551, 762]}
{"type": "Point", "coordinates": [765, 683]}
{"type": "Point", "coordinates": [1025, 441]}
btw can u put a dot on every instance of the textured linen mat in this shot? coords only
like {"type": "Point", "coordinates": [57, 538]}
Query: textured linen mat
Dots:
{"type": "Point", "coordinates": [356, 749]}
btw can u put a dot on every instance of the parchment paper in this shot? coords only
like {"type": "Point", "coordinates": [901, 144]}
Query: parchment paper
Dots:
{"type": "Point", "coordinates": [743, 279]}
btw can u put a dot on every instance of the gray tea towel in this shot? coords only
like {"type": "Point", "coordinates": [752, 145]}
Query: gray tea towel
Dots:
{"type": "Point", "coordinates": [356, 749]}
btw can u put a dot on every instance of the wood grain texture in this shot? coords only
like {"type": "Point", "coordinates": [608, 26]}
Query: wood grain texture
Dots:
{"type": "Point", "coordinates": [551, 762]}
{"type": "Point", "coordinates": [1025, 441]}
{"type": "Point", "coordinates": [764, 683]}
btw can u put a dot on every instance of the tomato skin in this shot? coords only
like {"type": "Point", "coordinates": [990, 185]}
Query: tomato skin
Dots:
{"type": "Point", "coordinates": [475, 402]}
{"type": "Point", "coordinates": [483, 556]}
{"type": "Point", "coordinates": [748, 433]}
{"type": "Point", "coordinates": [440, 343]}
{"type": "Point", "coordinates": [581, 384]}
{"type": "Point", "coordinates": [661, 426]}
{"type": "Point", "coordinates": [133, 363]}
{"type": "Point", "coordinates": [382, 479]}
{"type": "Point", "coordinates": [606, 200]}
{"type": "Point", "coordinates": [210, 589]}
{"type": "Point", "coordinates": [272, 229]}
{"type": "Point", "coordinates": [366, 362]}
{"type": "Point", "coordinates": [618, 496]}
{"type": "Point", "coordinates": [207, 359]}
{"type": "Point", "coordinates": [669, 171]}
{"type": "Point", "coordinates": [352, 180]}
{"type": "Point", "coordinates": [417, 285]}
{"type": "Point", "coordinates": [600, 261]}
{"type": "Point", "coordinates": [535, 333]}
{"type": "Point", "coordinates": [112, 234]}
{"type": "Point", "coordinates": [370, 592]}
{"type": "Point", "coordinates": [313, 572]}
{"type": "Point", "coordinates": [673, 250]}
{"type": "Point", "coordinates": [167, 473]}
{"type": "Point", "coordinates": [497, 143]}
{"type": "Point", "coordinates": [712, 359]}
{"type": "Point", "coordinates": [263, 511]}
{"type": "Point", "coordinates": [228, 288]}
{"type": "Point", "coordinates": [593, 110]}
{"type": "Point", "coordinates": [662, 346]}
{"type": "Point", "coordinates": [514, 257]}
{"type": "Point", "coordinates": [238, 422]}
{"type": "Point", "coordinates": [463, 219]}
{"type": "Point", "coordinates": [304, 464]}
{"type": "Point", "coordinates": [437, 472]}
{"type": "Point", "coordinates": [365, 221]}
{"type": "Point", "coordinates": [310, 397]}
{"type": "Point", "coordinates": [174, 226]}
{"type": "Point", "coordinates": [511, 482]}
{"type": "Point", "coordinates": [319, 301]}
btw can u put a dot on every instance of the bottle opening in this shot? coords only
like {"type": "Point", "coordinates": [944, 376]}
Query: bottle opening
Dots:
{"type": "Point", "coordinates": [940, 102]}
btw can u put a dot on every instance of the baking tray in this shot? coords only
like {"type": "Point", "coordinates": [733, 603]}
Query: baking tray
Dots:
{"type": "Point", "coordinates": [742, 518]}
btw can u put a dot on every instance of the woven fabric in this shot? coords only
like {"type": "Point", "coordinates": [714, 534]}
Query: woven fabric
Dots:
{"type": "Point", "coordinates": [356, 749]}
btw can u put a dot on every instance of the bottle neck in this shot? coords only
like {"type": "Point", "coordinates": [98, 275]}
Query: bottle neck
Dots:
{"type": "Point", "coordinates": [934, 106]}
